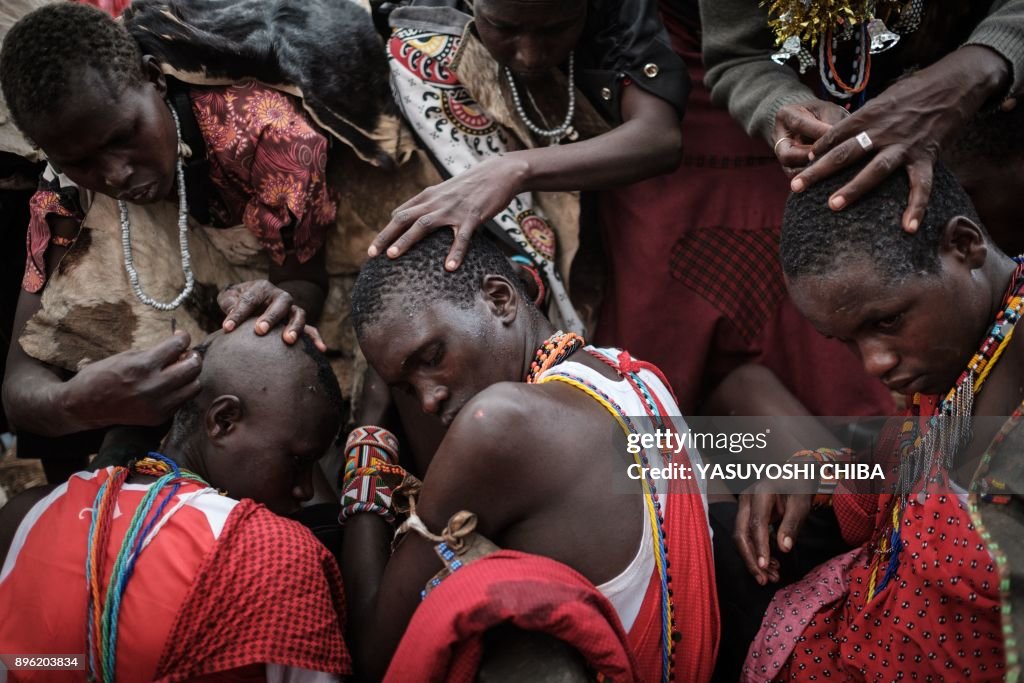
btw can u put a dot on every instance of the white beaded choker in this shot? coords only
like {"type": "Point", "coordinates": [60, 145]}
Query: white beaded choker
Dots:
{"type": "Point", "coordinates": [186, 261]}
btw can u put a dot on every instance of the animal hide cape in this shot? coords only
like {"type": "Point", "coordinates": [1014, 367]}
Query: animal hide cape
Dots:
{"type": "Point", "coordinates": [324, 51]}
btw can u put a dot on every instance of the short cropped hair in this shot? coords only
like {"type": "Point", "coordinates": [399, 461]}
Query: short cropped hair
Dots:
{"type": "Point", "coordinates": [815, 238]}
{"type": "Point", "coordinates": [418, 277]}
{"type": "Point", "coordinates": [48, 47]}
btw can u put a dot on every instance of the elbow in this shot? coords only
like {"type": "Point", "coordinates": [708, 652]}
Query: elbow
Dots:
{"type": "Point", "coordinates": [670, 150]}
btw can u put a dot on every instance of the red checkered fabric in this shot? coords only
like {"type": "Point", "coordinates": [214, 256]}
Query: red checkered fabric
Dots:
{"type": "Point", "coordinates": [443, 642]}
{"type": "Point", "coordinates": [736, 271]}
{"type": "Point", "coordinates": [268, 592]}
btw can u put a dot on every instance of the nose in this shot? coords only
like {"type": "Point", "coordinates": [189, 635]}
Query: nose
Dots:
{"type": "Point", "coordinates": [531, 53]}
{"type": "Point", "coordinates": [432, 397]}
{"type": "Point", "coordinates": [116, 173]}
{"type": "Point", "coordinates": [878, 359]}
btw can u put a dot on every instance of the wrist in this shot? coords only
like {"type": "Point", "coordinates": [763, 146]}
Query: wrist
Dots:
{"type": "Point", "coordinates": [520, 170]}
{"type": "Point", "coordinates": [984, 72]}
{"type": "Point", "coordinates": [65, 403]}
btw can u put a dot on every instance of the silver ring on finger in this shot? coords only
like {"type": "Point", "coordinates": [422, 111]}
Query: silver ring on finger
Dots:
{"type": "Point", "coordinates": [778, 142]}
{"type": "Point", "coordinates": [865, 141]}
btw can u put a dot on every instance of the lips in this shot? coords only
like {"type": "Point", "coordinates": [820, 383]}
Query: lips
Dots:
{"type": "Point", "coordinates": [902, 385]}
{"type": "Point", "coordinates": [139, 195]}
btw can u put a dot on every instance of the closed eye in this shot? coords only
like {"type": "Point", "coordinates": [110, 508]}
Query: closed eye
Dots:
{"type": "Point", "coordinates": [889, 323]}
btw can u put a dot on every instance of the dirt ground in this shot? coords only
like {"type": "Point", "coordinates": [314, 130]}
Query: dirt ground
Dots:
{"type": "Point", "coordinates": [18, 475]}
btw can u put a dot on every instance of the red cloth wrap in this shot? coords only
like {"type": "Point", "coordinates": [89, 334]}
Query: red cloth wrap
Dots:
{"type": "Point", "coordinates": [267, 592]}
{"type": "Point", "coordinates": [444, 639]}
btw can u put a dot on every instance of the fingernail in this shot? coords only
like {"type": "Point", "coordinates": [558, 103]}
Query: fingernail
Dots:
{"type": "Point", "coordinates": [760, 581]}
{"type": "Point", "coordinates": [291, 336]}
{"type": "Point", "coordinates": [262, 327]}
{"type": "Point", "coordinates": [372, 251]}
{"type": "Point", "coordinates": [229, 325]}
{"type": "Point", "coordinates": [797, 185]}
{"type": "Point", "coordinates": [451, 265]}
{"type": "Point", "coordinates": [393, 252]}
{"type": "Point", "coordinates": [787, 543]}
{"type": "Point", "coordinates": [761, 562]}
{"type": "Point", "coordinates": [838, 202]}
{"type": "Point", "coordinates": [913, 225]}
{"type": "Point", "coordinates": [810, 156]}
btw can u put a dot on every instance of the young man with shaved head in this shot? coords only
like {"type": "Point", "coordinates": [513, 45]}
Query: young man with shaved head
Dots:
{"type": "Point", "coordinates": [179, 551]}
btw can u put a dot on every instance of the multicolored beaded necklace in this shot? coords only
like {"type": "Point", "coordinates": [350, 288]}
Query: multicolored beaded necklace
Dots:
{"type": "Point", "coordinates": [656, 412]}
{"type": "Point", "coordinates": [102, 613]}
{"type": "Point", "coordinates": [553, 351]}
{"type": "Point", "coordinates": [928, 455]}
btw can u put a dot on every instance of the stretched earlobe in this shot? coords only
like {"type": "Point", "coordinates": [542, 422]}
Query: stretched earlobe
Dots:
{"type": "Point", "coordinates": [223, 416]}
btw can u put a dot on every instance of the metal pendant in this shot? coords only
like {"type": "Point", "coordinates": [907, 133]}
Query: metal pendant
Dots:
{"type": "Point", "coordinates": [882, 38]}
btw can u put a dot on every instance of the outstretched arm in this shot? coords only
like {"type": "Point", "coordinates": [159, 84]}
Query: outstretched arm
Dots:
{"type": "Point", "coordinates": [647, 143]}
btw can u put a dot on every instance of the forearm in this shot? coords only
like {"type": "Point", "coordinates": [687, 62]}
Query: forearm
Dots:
{"type": "Point", "coordinates": [365, 553]}
{"type": "Point", "coordinates": [307, 295]}
{"type": "Point", "coordinates": [737, 47]}
{"type": "Point", "coordinates": [1003, 32]}
{"type": "Point", "coordinates": [626, 154]}
{"type": "Point", "coordinates": [35, 395]}
{"type": "Point", "coordinates": [35, 399]}
{"type": "Point", "coordinates": [306, 282]}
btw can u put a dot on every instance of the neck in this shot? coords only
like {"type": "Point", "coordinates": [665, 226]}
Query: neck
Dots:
{"type": "Point", "coordinates": [186, 458]}
{"type": "Point", "coordinates": [539, 331]}
{"type": "Point", "coordinates": [1000, 271]}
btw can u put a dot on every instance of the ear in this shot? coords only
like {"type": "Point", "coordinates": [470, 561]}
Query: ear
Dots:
{"type": "Point", "coordinates": [502, 298]}
{"type": "Point", "coordinates": [965, 241]}
{"type": "Point", "coordinates": [152, 73]}
{"type": "Point", "coordinates": [222, 417]}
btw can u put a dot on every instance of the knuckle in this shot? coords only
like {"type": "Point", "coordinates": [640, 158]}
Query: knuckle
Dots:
{"type": "Point", "coordinates": [400, 216]}
{"type": "Point", "coordinates": [425, 221]}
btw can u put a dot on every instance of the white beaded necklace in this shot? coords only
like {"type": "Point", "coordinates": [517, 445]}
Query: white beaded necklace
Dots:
{"type": "Point", "coordinates": [555, 134]}
{"type": "Point", "coordinates": [186, 260]}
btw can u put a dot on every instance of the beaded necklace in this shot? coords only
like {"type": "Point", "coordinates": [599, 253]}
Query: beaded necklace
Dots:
{"type": "Point", "coordinates": [656, 412]}
{"type": "Point", "coordinates": [102, 613]}
{"type": "Point", "coordinates": [562, 130]}
{"type": "Point", "coordinates": [933, 452]}
{"type": "Point", "coordinates": [553, 351]}
{"type": "Point", "coordinates": [186, 259]}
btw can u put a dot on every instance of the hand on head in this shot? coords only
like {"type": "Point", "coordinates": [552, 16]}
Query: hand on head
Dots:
{"type": "Point", "coordinates": [904, 127]}
{"type": "Point", "coordinates": [462, 203]}
{"type": "Point", "coordinates": [273, 305]}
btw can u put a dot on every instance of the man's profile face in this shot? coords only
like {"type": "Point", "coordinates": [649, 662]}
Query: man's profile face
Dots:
{"type": "Point", "coordinates": [441, 354]}
{"type": "Point", "coordinates": [915, 336]}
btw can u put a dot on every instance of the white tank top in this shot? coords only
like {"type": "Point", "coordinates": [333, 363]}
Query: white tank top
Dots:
{"type": "Point", "coordinates": [626, 591]}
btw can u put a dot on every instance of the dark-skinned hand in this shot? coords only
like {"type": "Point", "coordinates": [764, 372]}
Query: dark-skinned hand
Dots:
{"type": "Point", "coordinates": [272, 304]}
{"type": "Point", "coordinates": [463, 202]}
{"type": "Point", "coordinates": [798, 126]}
{"type": "Point", "coordinates": [908, 125]}
{"type": "Point", "coordinates": [759, 508]}
{"type": "Point", "coordinates": [135, 387]}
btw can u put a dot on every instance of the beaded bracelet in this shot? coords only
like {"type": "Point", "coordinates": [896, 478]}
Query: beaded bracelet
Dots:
{"type": "Point", "coordinates": [367, 492]}
{"type": "Point", "coordinates": [367, 446]}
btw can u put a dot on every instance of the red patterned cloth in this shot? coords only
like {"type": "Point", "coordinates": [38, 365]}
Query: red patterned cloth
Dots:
{"type": "Point", "coordinates": [938, 618]}
{"type": "Point", "coordinates": [269, 592]}
{"type": "Point", "coordinates": [267, 164]}
{"type": "Point", "coordinates": [443, 642]}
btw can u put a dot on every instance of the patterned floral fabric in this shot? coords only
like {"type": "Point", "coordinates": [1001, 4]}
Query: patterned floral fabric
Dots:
{"type": "Point", "coordinates": [460, 134]}
{"type": "Point", "coordinates": [267, 165]}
